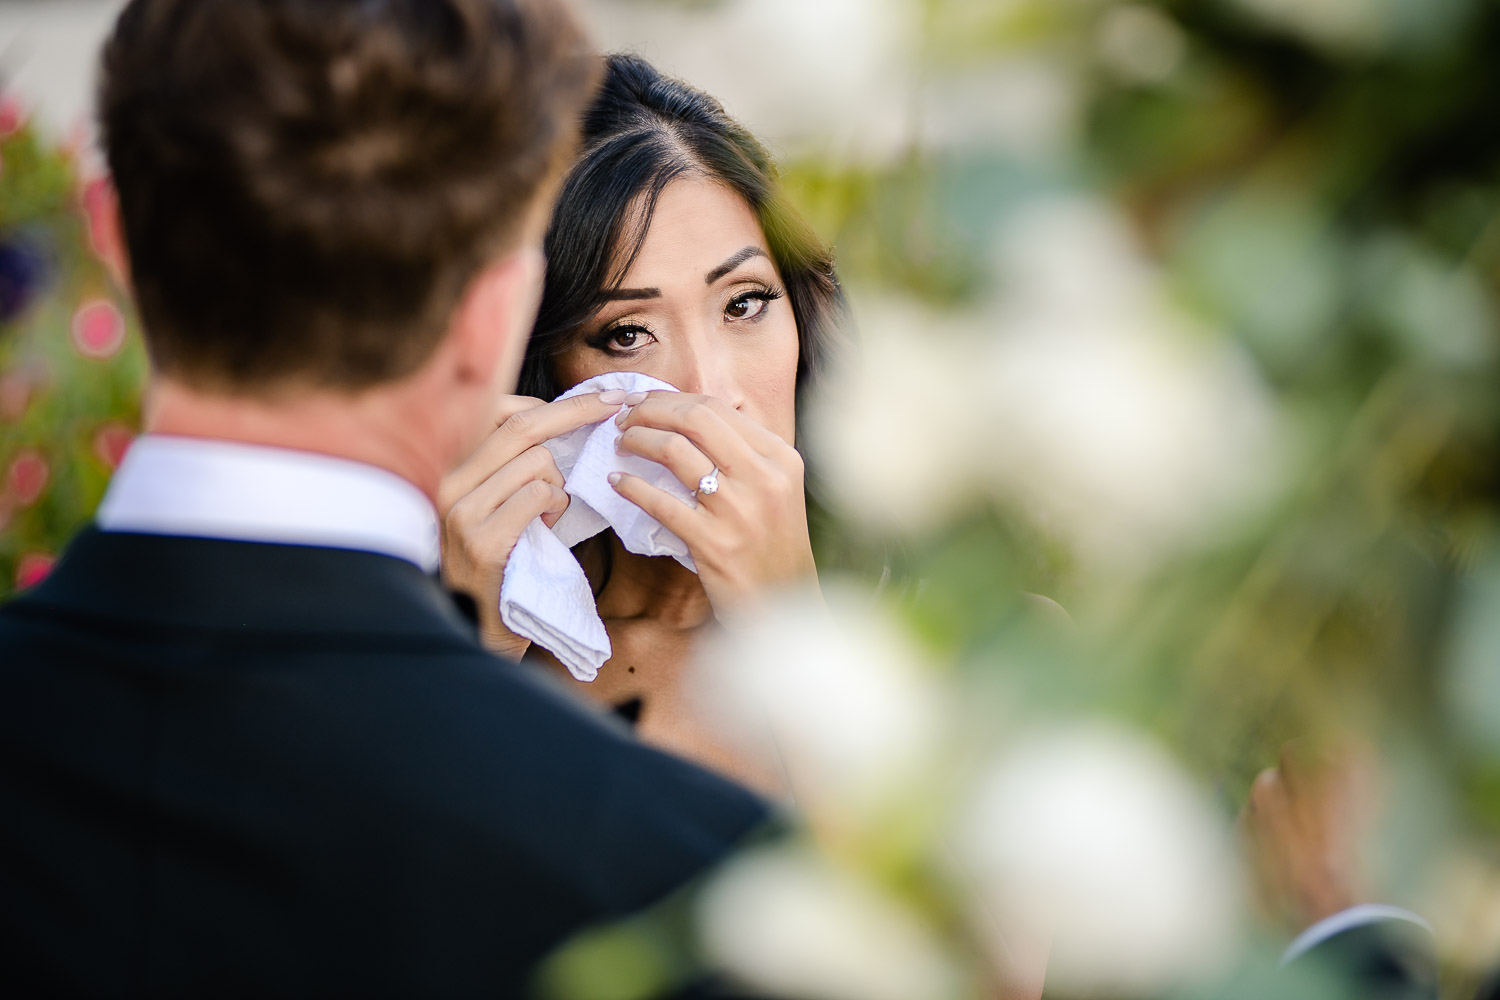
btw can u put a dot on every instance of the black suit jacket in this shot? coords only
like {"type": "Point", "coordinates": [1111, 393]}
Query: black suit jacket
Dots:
{"type": "Point", "coordinates": [236, 768]}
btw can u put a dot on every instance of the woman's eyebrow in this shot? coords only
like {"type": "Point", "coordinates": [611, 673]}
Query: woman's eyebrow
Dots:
{"type": "Point", "coordinates": [733, 262]}
{"type": "Point", "coordinates": [628, 294]}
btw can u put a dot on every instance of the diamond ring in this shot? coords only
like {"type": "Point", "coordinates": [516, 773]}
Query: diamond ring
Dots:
{"type": "Point", "coordinates": [709, 484]}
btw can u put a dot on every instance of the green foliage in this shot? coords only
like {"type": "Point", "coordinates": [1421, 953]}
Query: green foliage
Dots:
{"type": "Point", "coordinates": [70, 370]}
{"type": "Point", "coordinates": [1325, 198]}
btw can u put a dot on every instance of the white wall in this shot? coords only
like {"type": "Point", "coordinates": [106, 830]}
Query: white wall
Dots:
{"type": "Point", "coordinates": [833, 74]}
{"type": "Point", "coordinates": [47, 53]}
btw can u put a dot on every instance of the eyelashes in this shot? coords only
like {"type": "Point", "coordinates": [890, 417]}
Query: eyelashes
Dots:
{"type": "Point", "coordinates": [604, 340]}
{"type": "Point", "coordinates": [623, 336]}
{"type": "Point", "coordinates": [763, 294]}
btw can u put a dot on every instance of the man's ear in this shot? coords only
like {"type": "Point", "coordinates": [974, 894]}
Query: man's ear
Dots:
{"type": "Point", "coordinates": [101, 207]}
{"type": "Point", "coordinates": [494, 320]}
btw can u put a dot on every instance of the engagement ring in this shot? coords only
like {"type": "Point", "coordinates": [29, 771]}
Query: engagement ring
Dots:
{"type": "Point", "coordinates": [709, 484]}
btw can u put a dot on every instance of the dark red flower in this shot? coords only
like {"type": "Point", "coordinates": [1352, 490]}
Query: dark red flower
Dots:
{"type": "Point", "coordinates": [28, 477]}
{"type": "Point", "coordinates": [33, 568]}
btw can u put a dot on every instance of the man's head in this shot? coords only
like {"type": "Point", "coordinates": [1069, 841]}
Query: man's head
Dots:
{"type": "Point", "coordinates": [313, 190]}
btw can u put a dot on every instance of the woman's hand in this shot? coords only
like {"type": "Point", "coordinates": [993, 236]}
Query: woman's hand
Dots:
{"type": "Point", "coordinates": [749, 535]}
{"type": "Point", "coordinates": [487, 502]}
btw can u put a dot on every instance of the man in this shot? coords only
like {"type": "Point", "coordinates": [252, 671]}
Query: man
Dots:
{"type": "Point", "coordinates": [247, 745]}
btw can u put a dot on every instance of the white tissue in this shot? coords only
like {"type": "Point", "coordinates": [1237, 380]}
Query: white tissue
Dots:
{"type": "Point", "coordinates": [545, 595]}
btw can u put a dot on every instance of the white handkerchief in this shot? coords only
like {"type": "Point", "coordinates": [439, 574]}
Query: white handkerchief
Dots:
{"type": "Point", "coordinates": [545, 595]}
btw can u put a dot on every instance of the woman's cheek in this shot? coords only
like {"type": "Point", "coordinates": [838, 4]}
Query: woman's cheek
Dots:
{"type": "Point", "coordinates": [577, 366]}
{"type": "Point", "coordinates": [771, 377]}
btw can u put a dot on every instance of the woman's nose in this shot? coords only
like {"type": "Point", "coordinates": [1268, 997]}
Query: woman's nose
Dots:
{"type": "Point", "coordinates": [708, 369]}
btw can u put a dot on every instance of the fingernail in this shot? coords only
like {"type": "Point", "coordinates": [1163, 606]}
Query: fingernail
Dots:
{"type": "Point", "coordinates": [620, 417]}
{"type": "Point", "coordinates": [612, 397]}
{"type": "Point", "coordinates": [615, 477]}
{"type": "Point", "coordinates": [635, 399]}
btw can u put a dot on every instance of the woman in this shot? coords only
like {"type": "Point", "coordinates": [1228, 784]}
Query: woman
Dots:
{"type": "Point", "coordinates": [672, 253]}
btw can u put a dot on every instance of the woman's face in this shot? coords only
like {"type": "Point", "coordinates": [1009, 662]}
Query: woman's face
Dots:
{"type": "Point", "coordinates": [702, 307]}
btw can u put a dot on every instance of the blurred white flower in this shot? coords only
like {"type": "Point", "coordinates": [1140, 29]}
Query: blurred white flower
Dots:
{"type": "Point", "coordinates": [851, 713]}
{"type": "Point", "coordinates": [894, 434]}
{"type": "Point", "coordinates": [789, 924]}
{"type": "Point", "coordinates": [1112, 416]}
{"type": "Point", "coordinates": [1139, 44]}
{"type": "Point", "coordinates": [1338, 25]}
{"type": "Point", "coordinates": [1093, 838]}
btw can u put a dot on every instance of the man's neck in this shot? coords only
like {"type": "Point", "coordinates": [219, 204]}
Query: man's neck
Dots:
{"type": "Point", "coordinates": [376, 428]}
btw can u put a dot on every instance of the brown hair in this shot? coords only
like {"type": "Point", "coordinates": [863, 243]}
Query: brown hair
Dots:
{"type": "Point", "coordinates": [308, 186]}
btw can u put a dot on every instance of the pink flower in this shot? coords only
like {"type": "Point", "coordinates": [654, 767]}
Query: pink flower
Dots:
{"type": "Point", "coordinates": [98, 329]}
{"type": "Point", "coordinates": [101, 208]}
{"type": "Point", "coordinates": [12, 116]}
{"type": "Point", "coordinates": [111, 442]}
{"type": "Point", "coordinates": [33, 569]}
{"type": "Point", "coordinates": [28, 477]}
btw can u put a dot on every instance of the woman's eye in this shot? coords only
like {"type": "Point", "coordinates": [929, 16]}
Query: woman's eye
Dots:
{"type": "Point", "coordinates": [626, 338]}
{"type": "Point", "coordinates": [746, 306]}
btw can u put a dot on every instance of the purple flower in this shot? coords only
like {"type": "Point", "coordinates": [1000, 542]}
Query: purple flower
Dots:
{"type": "Point", "coordinates": [22, 271]}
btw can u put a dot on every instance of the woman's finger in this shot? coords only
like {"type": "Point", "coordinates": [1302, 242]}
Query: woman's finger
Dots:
{"type": "Point", "coordinates": [682, 520]}
{"type": "Point", "coordinates": [509, 406]}
{"type": "Point", "coordinates": [697, 418]}
{"type": "Point", "coordinates": [680, 456]}
{"type": "Point", "coordinates": [475, 552]}
{"type": "Point", "coordinates": [535, 463]}
{"type": "Point", "coordinates": [525, 423]}
{"type": "Point", "coordinates": [760, 437]}
{"type": "Point", "coordinates": [503, 528]}
{"type": "Point", "coordinates": [482, 461]}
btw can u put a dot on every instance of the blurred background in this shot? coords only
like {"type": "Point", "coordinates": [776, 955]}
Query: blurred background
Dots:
{"type": "Point", "coordinates": [1181, 314]}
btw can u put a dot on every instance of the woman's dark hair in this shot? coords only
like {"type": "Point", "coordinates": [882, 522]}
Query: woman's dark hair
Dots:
{"type": "Point", "coordinates": [642, 131]}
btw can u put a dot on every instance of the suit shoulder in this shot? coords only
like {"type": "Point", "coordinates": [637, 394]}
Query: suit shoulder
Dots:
{"type": "Point", "coordinates": [565, 784]}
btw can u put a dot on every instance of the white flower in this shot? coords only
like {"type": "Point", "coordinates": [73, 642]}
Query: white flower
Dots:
{"type": "Point", "coordinates": [1140, 44]}
{"type": "Point", "coordinates": [1113, 417]}
{"type": "Point", "coordinates": [1078, 393]}
{"type": "Point", "coordinates": [851, 714]}
{"type": "Point", "coordinates": [1094, 839]}
{"type": "Point", "coordinates": [894, 434]}
{"type": "Point", "coordinates": [789, 924]}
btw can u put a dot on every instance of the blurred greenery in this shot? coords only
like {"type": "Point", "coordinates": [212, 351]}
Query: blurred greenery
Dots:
{"type": "Point", "coordinates": [69, 398]}
{"type": "Point", "coordinates": [1327, 199]}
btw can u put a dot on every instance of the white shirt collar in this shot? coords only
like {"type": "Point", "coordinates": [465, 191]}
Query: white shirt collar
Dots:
{"type": "Point", "coordinates": [221, 489]}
